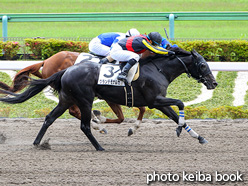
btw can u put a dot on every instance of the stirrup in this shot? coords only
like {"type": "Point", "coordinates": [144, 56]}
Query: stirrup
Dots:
{"type": "Point", "coordinates": [122, 77]}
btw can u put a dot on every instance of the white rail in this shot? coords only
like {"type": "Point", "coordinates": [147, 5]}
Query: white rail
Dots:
{"type": "Point", "coordinates": [214, 66]}
{"type": "Point", "coordinates": [16, 65]}
{"type": "Point", "coordinates": [228, 66]}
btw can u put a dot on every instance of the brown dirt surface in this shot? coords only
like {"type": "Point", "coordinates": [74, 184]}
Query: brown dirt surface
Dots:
{"type": "Point", "coordinates": [72, 160]}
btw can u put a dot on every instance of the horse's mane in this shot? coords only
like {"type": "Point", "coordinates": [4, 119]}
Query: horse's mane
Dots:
{"type": "Point", "coordinates": [177, 50]}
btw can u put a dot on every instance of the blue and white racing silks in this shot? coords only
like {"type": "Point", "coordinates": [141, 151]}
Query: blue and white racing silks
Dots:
{"type": "Point", "coordinates": [109, 38]}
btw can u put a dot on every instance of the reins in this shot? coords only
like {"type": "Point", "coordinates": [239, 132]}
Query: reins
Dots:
{"type": "Point", "coordinates": [186, 69]}
{"type": "Point", "coordinates": [162, 72]}
{"type": "Point", "coordinates": [200, 79]}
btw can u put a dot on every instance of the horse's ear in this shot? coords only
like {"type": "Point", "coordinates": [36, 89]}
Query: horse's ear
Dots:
{"type": "Point", "coordinates": [194, 53]}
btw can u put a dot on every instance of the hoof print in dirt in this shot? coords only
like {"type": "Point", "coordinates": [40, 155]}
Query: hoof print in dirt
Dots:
{"type": "Point", "coordinates": [44, 146]}
{"type": "Point", "coordinates": [2, 138]}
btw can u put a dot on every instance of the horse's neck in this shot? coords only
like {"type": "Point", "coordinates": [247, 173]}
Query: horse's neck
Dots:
{"type": "Point", "coordinates": [173, 67]}
{"type": "Point", "coordinates": [185, 63]}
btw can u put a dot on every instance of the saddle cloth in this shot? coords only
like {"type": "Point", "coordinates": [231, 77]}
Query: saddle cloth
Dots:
{"type": "Point", "coordinates": [109, 72]}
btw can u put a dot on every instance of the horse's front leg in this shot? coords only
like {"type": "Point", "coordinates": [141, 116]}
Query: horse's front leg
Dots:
{"type": "Point", "coordinates": [167, 110]}
{"type": "Point", "coordinates": [163, 102]}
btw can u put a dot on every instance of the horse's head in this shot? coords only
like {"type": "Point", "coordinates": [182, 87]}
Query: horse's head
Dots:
{"type": "Point", "coordinates": [200, 71]}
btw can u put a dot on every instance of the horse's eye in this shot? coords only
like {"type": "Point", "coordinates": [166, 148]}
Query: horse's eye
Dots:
{"type": "Point", "coordinates": [203, 67]}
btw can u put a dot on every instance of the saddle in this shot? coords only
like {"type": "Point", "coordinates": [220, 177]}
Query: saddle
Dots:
{"type": "Point", "coordinates": [109, 72]}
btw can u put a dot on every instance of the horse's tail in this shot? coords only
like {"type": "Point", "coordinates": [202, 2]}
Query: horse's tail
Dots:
{"type": "Point", "coordinates": [35, 87]}
{"type": "Point", "coordinates": [21, 78]}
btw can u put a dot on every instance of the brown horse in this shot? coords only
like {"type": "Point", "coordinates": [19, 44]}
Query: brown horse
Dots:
{"type": "Point", "coordinates": [56, 63]}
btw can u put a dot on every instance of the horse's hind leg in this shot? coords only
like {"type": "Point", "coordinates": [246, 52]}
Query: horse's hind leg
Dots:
{"type": "Point", "coordinates": [118, 112]}
{"type": "Point", "coordinates": [50, 118]}
{"type": "Point", "coordinates": [85, 127]}
{"type": "Point", "coordinates": [74, 111]}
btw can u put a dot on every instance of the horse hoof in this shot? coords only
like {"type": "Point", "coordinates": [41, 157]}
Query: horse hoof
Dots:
{"type": "Point", "coordinates": [130, 132]}
{"type": "Point", "coordinates": [96, 121]}
{"type": "Point", "coordinates": [202, 140]}
{"type": "Point", "coordinates": [103, 131]}
{"type": "Point", "coordinates": [100, 149]}
{"type": "Point", "coordinates": [179, 130]}
{"type": "Point", "coordinates": [97, 112]}
{"type": "Point", "coordinates": [44, 145]}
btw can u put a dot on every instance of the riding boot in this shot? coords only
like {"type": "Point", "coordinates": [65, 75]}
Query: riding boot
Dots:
{"type": "Point", "coordinates": [123, 75]}
{"type": "Point", "coordinates": [104, 60]}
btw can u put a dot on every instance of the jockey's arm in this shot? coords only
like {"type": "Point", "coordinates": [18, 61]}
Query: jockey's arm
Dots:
{"type": "Point", "coordinates": [146, 54]}
{"type": "Point", "coordinates": [165, 43]}
{"type": "Point", "coordinates": [157, 50]}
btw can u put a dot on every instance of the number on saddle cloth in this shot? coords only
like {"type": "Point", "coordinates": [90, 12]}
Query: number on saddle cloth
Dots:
{"type": "Point", "coordinates": [109, 72]}
{"type": "Point", "coordinates": [86, 57]}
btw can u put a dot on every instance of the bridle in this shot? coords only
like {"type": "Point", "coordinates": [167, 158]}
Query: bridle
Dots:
{"type": "Point", "coordinates": [185, 67]}
{"type": "Point", "coordinates": [201, 75]}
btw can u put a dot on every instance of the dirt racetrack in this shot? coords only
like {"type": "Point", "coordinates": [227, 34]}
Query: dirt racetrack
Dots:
{"type": "Point", "coordinates": [72, 160]}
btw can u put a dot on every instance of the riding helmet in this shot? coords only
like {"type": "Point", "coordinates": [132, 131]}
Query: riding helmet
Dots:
{"type": "Point", "coordinates": [132, 32]}
{"type": "Point", "coordinates": [155, 37]}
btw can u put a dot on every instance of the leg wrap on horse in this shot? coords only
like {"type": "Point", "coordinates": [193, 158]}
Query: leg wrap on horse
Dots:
{"type": "Point", "coordinates": [191, 131]}
{"type": "Point", "coordinates": [181, 122]}
{"type": "Point", "coordinates": [181, 118]}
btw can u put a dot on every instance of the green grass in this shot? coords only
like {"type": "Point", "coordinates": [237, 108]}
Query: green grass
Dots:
{"type": "Point", "coordinates": [193, 29]}
{"type": "Point", "coordinates": [68, 6]}
{"type": "Point", "coordinates": [32, 108]}
{"type": "Point", "coordinates": [184, 88]}
{"type": "Point", "coordinates": [222, 95]}
{"type": "Point", "coordinates": [183, 29]}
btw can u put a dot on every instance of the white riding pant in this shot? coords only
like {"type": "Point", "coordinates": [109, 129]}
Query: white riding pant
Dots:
{"type": "Point", "coordinates": [98, 48]}
{"type": "Point", "coordinates": [118, 54]}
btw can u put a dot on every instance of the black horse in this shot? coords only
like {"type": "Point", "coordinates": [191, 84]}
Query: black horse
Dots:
{"type": "Point", "coordinates": [78, 85]}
